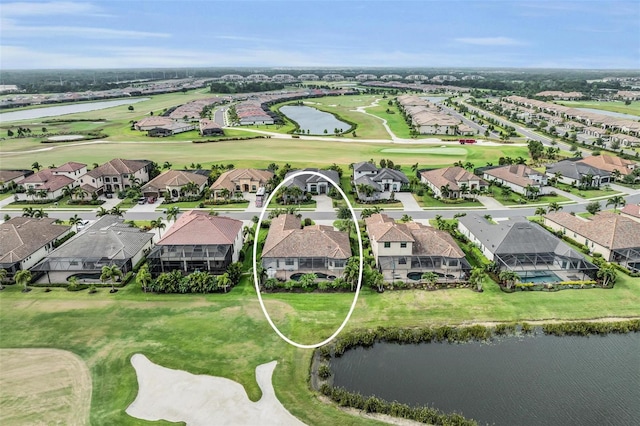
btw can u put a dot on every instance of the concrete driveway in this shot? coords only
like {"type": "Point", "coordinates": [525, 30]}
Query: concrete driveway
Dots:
{"type": "Point", "coordinates": [410, 204]}
{"type": "Point", "coordinates": [324, 203]}
{"type": "Point", "coordinates": [146, 207]}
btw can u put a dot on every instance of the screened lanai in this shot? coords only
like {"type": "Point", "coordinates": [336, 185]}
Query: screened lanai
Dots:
{"type": "Point", "coordinates": [407, 268]}
{"type": "Point", "coordinates": [190, 258]}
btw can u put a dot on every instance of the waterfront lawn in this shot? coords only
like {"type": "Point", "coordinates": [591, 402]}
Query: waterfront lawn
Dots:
{"type": "Point", "coordinates": [427, 201]}
{"type": "Point", "coordinates": [587, 193]}
{"type": "Point", "coordinates": [515, 199]}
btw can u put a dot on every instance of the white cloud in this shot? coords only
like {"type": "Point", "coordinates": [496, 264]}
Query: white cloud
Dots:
{"type": "Point", "coordinates": [11, 29]}
{"type": "Point", "coordinates": [49, 8]}
{"type": "Point", "coordinates": [490, 41]}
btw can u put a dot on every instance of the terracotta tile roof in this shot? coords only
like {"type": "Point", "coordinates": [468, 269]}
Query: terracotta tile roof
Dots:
{"type": "Point", "coordinates": [47, 180]}
{"type": "Point", "coordinates": [230, 178]}
{"type": "Point", "coordinates": [175, 178]}
{"type": "Point", "coordinates": [22, 236]}
{"type": "Point", "coordinates": [70, 167]}
{"type": "Point", "coordinates": [631, 210]}
{"type": "Point", "coordinates": [38, 177]}
{"type": "Point", "coordinates": [384, 229]}
{"type": "Point", "coordinates": [517, 174]}
{"type": "Point", "coordinates": [199, 227]}
{"type": "Point", "coordinates": [117, 166]}
{"type": "Point", "coordinates": [607, 229]}
{"type": "Point", "coordinates": [609, 163]}
{"type": "Point", "coordinates": [8, 175]}
{"type": "Point", "coordinates": [450, 176]}
{"type": "Point", "coordinates": [287, 239]}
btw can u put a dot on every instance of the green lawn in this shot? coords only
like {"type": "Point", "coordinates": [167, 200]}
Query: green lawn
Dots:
{"type": "Point", "coordinates": [62, 204]}
{"type": "Point", "coordinates": [345, 184]}
{"type": "Point", "coordinates": [587, 193]}
{"type": "Point", "coordinates": [515, 199]}
{"type": "Point", "coordinates": [613, 106]}
{"type": "Point", "coordinates": [227, 335]}
{"type": "Point", "coordinates": [427, 201]}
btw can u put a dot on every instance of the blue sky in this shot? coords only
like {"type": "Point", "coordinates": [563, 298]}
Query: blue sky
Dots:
{"type": "Point", "coordinates": [161, 33]}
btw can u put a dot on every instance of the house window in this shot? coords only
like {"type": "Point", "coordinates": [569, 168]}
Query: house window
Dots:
{"type": "Point", "coordinates": [115, 179]}
{"type": "Point", "coordinates": [253, 187]}
{"type": "Point", "coordinates": [237, 187]}
{"type": "Point", "coordinates": [387, 244]}
{"type": "Point", "coordinates": [403, 245]}
{"type": "Point", "coordinates": [125, 176]}
{"type": "Point", "coordinates": [107, 179]}
{"type": "Point", "coordinates": [288, 262]}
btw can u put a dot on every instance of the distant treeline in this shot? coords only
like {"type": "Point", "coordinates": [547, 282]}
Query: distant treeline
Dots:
{"type": "Point", "coordinates": [248, 87]}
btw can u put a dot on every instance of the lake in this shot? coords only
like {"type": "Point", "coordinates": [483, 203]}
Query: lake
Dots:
{"type": "Point", "coordinates": [610, 113]}
{"type": "Point", "coordinates": [314, 120]}
{"type": "Point", "coordinates": [30, 114]}
{"type": "Point", "coordinates": [530, 380]}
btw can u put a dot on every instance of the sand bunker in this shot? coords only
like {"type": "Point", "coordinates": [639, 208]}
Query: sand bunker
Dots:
{"type": "Point", "coordinates": [65, 138]}
{"type": "Point", "coordinates": [179, 396]}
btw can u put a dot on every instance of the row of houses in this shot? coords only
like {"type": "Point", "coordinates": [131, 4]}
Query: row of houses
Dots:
{"type": "Point", "coordinates": [427, 118]}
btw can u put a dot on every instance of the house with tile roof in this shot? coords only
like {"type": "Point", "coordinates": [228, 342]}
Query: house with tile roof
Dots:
{"type": "Point", "coordinates": [610, 163]}
{"type": "Point", "coordinates": [10, 177]}
{"type": "Point", "coordinates": [116, 175]}
{"type": "Point", "coordinates": [198, 241]}
{"type": "Point", "coordinates": [615, 236]}
{"type": "Point", "coordinates": [291, 249]}
{"type": "Point", "coordinates": [451, 180]}
{"type": "Point", "coordinates": [106, 242]}
{"type": "Point", "coordinates": [25, 241]}
{"type": "Point", "coordinates": [170, 184]}
{"type": "Point", "coordinates": [384, 181]}
{"type": "Point", "coordinates": [526, 248]}
{"type": "Point", "coordinates": [517, 177]}
{"type": "Point", "coordinates": [47, 183]}
{"type": "Point", "coordinates": [237, 181]}
{"type": "Point", "coordinates": [631, 211]}
{"type": "Point", "coordinates": [405, 251]}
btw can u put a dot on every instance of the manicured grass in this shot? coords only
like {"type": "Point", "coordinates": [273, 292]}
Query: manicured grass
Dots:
{"type": "Point", "coordinates": [62, 204]}
{"type": "Point", "coordinates": [514, 199]}
{"type": "Point", "coordinates": [428, 201]}
{"type": "Point", "coordinates": [587, 193]}
{"type": "Point", "coordinates": [227, 335]}
{"type": "Point", "coordinates": [613, 106]}
{"type": "Point", "coordinates": [345, 184]}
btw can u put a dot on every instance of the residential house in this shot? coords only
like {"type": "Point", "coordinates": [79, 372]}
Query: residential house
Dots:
{"type": "Point", "coordinates": [106, 242]}
{"type": "Point", "coordinates": [609, 163]}
{"type": "Point", "coordinates": [384, 181]}
{"type": "Point", "coordinates": [450, 182]}
{"type": "Point", "coordinates": [71, 170]}
{"type": "Point", "coordinates": [25, 241]}
{"type": "Point", "coordinates": [241, 180]}
{"type": "Point", "coordinates": [171, 183]}
{"type": "Point", "coordinates": [209, 128]}
{"type": "Point", "coordinates": [616, 237]}
{"type": "Point", "coordinates": [575, 172]}
{"type": "Point", "coordinates": [116, 175]}
{"type": "Point", "coordinates": [313, 183]}
{"type": "Point", "coordinates": [517, 177]}
{"type": "Point", "coordinates": [291, 249]}
{"type": "Point", "coordinates": [47, 183]}
{"type": "Point", "coordinates": [625, 140]}
{"type": "Point", "coordinates": [405, 251]}
{"type": "Point", "coordinates": [631, 211]}
{"type": "Point", "coordinates": [198, 241]}
{"type": "Point", "coordinates": [526, 248]}
{"type": "Point", "coordinates": [9, 177]}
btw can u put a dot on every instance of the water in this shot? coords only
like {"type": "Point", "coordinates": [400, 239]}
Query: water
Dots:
{"type": "Point", "coordinates": [314, 120]}
{"type": "Point", "coordinates": [30, 114]}
{"type": "Point", "coordinates": [539, 277]}
{"type": "Point", "coordinates": [610, 113]}
{"type": "Point", "coordinates": [532, 380]}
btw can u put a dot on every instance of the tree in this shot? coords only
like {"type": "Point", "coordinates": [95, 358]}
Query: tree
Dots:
{"type": "Point", "coordinates": [102, 212]}
{"type": "Point", "coordinates": [40, 213]}
{"type": "Point", "coordinates": [429, 277]}
{"type": "Point", "coordinates": [130, 108]}
{"type": "Point", "coordinates": [75, 220]}
{"type": "Point", "coordinates": [415, 167]}
{"type": "Point", "coordinates": [352, 271]}
{"type": "Point", "coordinates": [616, 201]}
{"type": "Point", "coordinates": [27, 212]}
{"type": "Point", "coordinates": [366, 190]}
{"type": "Point", "coordinates": [307, 280]}
{"type": "Point", "coordinates": [477, 277]}
{"type": "Point", "coordinates": [508, 278]}
{"type": "Point", "coordinates": [79, 193]}
{"type": "Point", "coordinates": [224, 281]}
{"type": "Point", "coordinates": [445, 190]}
{"type": "Point", "coordinates": [166, 165]}
{"type": "Point", "coordinates": [172, 213]}
{"type": "Point", "coordinates": [67, 191]}
{"type": "Point", "coordinates": [111, 273]}
{"type": "Point", "coordinates": [540, 211]}
{"type": "Point", "coordinates": [31, 193]}
{"type": "Point", "coordinates": [159, 225]}
{"type": "Point", "coordinates": [376, 280]}
{"type": "Point", "coordinates": [593, 207]}
{"type": "Point", "coordinates": [23, 277]}
{"type": "Point", "coordinates": [615, 174]}
{"type": "Point", "coordinates": [143, 277]}
{"type": "Point", "coordinates": [554, 207]}
{"type": "Point", "coordinates": [116, 211]}
{"type": "Point", "coordinates": [607, 273]}
{"type": "Point", "coordinates": [36, 166]}
{"type": "Point", "coordinates": [536, 149]}
{"type": "Point", "coordinates": [344, 213]}
{"type": "Point", "coordinates": [3, 276]}
{"type": "Point", "coordinates": [406, 218]}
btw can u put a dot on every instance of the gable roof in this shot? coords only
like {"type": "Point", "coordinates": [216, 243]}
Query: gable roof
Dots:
{"type": "Point", "coordinates": [384, 229]}
{"type": "Point", "coordinates": [631, 210]}
{"type": "Point", "coordinates": [70, 166]}
{"type": "Point", "coordinates": [364, 166]}
{"type": "Point", "coordinates": [200, 228]}
{"type": "Point", "coordinates": [47, 181]}
{"type": "Point", "coordinates": [517, 174]}
{"type": "Point", "coordinates": [8, 175]}
{"type": "Point", "coordinates": [22, 236]}
{"type": "Point", "coordinates": [609, 163]}
{"type": "Point", "coordinates": [175, 178]}
{"type": "Point", "coordinates": [607, 229]}
{"type": "Point", "coordinates": [573, 168]}
{"type": "Point", "coordinates": [109, 237]}
{"type": "Point", "coordinates": [449, 176]}
{"type": "Point", "coordinates": [117, 166]}
{"type": "Point", "coordinates": [229, 178]}
{"type": "Point", "coordinates": [302, 180]}
{"type": "Point", "coordinates": [287, 239]}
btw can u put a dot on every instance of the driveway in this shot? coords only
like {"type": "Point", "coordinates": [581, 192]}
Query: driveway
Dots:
{"type": "Point", "coordinates": [323, 203]}
{"type": "Point", "coordinates": [146, 207]}
{"type": "Point", "coordinates": [410, 204]}
{"type": "Point", "coordinates": [490, 203]}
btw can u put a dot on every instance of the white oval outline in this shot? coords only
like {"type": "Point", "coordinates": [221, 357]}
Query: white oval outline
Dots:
{"type": "Point", "coordinates": [255, 252]}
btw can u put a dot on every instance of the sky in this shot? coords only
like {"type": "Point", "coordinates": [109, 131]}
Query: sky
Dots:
{"type": "Point", "coordinates": [587, 34]}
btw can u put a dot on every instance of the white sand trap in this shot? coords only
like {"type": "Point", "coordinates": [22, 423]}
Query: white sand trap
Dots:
{"type": "Point", "coordinates": [179, 396]}
{"type": "Point", "coordinates": [437, 151]}
{"type": "Point", "coordinates": [64, 138]}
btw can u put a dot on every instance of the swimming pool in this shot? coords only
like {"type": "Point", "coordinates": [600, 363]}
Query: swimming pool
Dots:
{"type": "Point", "coordinates": [539, 277]}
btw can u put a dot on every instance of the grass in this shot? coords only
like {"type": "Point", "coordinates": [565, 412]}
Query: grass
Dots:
{"type": "Point", "coordinates": [62, 204]}
{"type": "Point", "coordinates": [613, 106]}
{"type": "Point", "coordinates": [345, 184]}
{"type": "Point", "coordinates": [514, 199]}
{"type": "Point", "coordinates": [227, 335]}
{"type": "Point", "coordinates": [430, 202]}
{"type": "Point", "coordinates": [587, 193]}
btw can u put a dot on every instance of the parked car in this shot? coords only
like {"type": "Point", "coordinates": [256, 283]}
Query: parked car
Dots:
{"type": "Point", "coordinates": [108, 195]}
{"type": "Point", "coordinates": [142, 200]}
{"type": "Point", "coordinates": [151, 200]}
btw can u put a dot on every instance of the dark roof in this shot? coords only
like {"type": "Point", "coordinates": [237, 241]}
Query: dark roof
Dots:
{"type": "Point", "coordinates": [364, 166]}
{"type": "Point", "coordinates": [301, 181]}
{"type": "Point", "coordinates": [22, 236]}
{"type": "Point", "coordinates": [574, 169]}
{"type": "Point", "coordinates": [117, 166]}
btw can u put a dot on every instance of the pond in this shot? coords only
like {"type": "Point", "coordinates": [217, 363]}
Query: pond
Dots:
{"type": "Point", "coordinates": [314, 120]}
{"type": "Point", "coordinates": [30, 114]}
{"type": "Point", "coordinates": [531, 380]}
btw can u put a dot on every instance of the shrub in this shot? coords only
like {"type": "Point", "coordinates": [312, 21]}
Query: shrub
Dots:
{"type": "Point", "coordinates": [324, 372]}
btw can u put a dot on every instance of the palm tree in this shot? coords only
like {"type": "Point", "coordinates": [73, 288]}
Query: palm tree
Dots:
{"type": "Point", "coordinates": [352, 271]}
{"type": "Point", "coordinates": [469, 165]}
{"type": "Point", "coordinates": [3, 276]}
{"type": "Point", "coordinates": [415, 167]}
{"type": "Point", "coordinates": [607, 273]}
{"type": "Point", "coordinates": [36, 166]}
{"type": "Point", "coordinates": [225, 193]}
{"type": "Point", "coordinates": [615, 174]}
{"type": "Point", "coordinates": [190, 188]}
{"type": "Point", "coordinates": [172, 213]}
{"type": "Point", "coordinates": [31, 193]}
{"type": "Point", "coordinates": [445, 190]}
{"type": "Point", "coordinates": [116, 211]}
{"type": "Point", "coordinates": [464, 189]}
{"type": "Point", "coordinates": [224, 281]}
{"type": "Point", "coordinates": [67, 191]}
{"type": "Point", "coordinates": [429, 277]}
{"type": "Point", "coordinates": [540, 211]}
{"type": "Point", "coordinates": [616, 201]}
{"type": "Point", "coordinates": [477, 277]}
{"type": "Point", "coordinates": [40, 213]}
{"type": "Point", "coordinates": [110, 273]}
{"type": "Point", "coordinates": [102, 212]}
{"type": "Point", "coordinates": [166, 165]}
{"type": "Point", "coordinates": [28, 212]}
{"type": "Point", "coordinates": [554, 207]}
{"type": "Point", "coordinates": [143, 277]}
{"type": "Point", "coordinates": [159, 225]}
{"type": "Point", "coordinates": [79, 193]}
{"type": "Point", "coordinates": [75, 220]}
{"type": "Point", "coordinates": [23, 277]}
{"type": "Point", "coordinates": [41, 194]}
{"type": "Point", "coordinates": [508, 278]}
